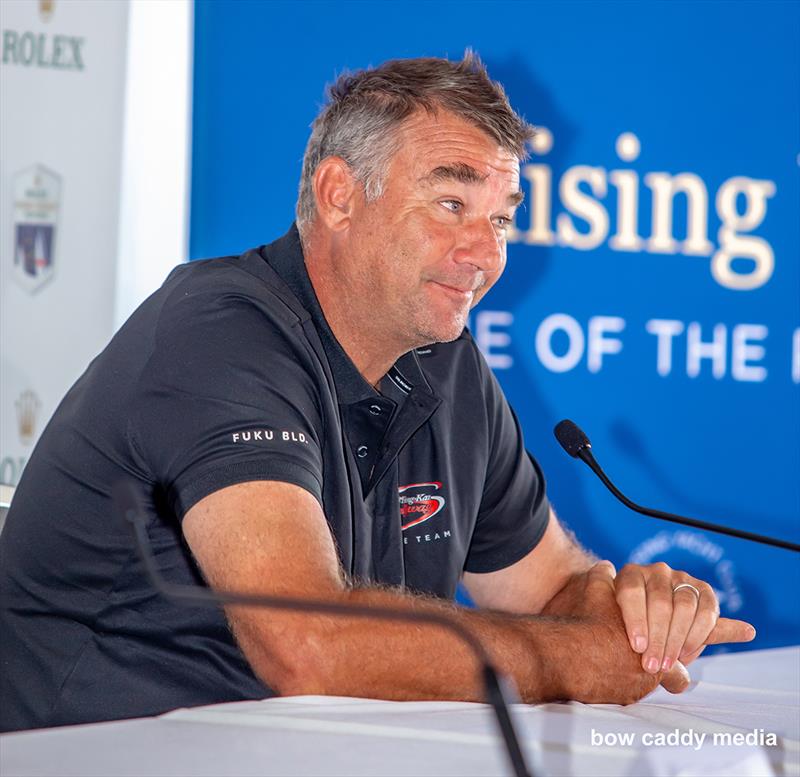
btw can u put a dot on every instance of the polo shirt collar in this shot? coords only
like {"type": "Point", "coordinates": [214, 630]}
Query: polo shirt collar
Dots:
{"type": "Point", "coordinates": [285, 256]}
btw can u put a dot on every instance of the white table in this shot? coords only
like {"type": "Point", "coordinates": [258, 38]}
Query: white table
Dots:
{"type": "Point", "coordinates": [310, 735]}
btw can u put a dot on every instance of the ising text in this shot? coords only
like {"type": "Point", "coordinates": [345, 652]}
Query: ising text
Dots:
{"type": "Point", "coordinates": [740, 260]}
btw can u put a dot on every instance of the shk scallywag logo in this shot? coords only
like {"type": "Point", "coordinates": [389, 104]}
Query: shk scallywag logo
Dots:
{"type": "Point", "coordinates": [37, 195]}
{"type": "Point", "coordinates": [418, 503]}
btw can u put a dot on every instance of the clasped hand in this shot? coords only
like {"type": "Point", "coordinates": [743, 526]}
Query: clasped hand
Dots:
{"type": "Point", "coordinates": [636, 631]}
{"type": "Point", "coordinates": [671, 616]}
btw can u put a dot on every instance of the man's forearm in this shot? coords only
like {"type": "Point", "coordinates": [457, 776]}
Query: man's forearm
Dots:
{"type": "Point", "coordinates": [378, 658]}
{"type": "Point", "coordinates": [579, 651]}
{"type": "Point", "coordinates": [527, 586]}
{"type": "Point", "coordinates": [545, 656]}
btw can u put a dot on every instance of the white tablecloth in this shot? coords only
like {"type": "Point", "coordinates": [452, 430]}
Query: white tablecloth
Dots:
{"type": "Point", "coordinates": [753, 694]}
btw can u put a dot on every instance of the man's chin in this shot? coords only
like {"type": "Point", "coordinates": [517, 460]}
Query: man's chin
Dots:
{"type": "Point", "coordinates": [444, 332]}
{"type": "Point", "coordinates": [443, 338]}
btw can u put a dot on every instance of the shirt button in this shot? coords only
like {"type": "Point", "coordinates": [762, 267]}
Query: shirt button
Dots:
{"type": "Point", "coordinates": [375, 409]}
{"type": "Point", "coordinates": [362, 451]}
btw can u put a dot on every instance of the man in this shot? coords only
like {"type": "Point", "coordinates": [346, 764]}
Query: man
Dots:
{"type": "Point", "coordinates": [312, 419]}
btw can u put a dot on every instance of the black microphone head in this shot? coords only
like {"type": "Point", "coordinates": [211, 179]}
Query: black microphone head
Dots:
{"type": "Point", "coordinates": [571, 437]}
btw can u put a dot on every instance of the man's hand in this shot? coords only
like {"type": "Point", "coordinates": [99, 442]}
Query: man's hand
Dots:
{"type": "Point", "coordinates": [600, 666]}
{"type": "Point", "coordinates": [658, 628]}
{"type": "Point", "coordinates": [666, 625]}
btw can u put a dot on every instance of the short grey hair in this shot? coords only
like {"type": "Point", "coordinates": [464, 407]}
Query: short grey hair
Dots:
{"type": "Point", "coordinates": [365, 110]}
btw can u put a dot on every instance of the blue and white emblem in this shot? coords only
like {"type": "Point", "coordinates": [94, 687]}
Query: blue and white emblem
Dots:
{"type": "Point", "coordinates": [37, 195]}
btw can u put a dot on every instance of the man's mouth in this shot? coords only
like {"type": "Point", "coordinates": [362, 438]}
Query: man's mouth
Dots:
{"type": "Point", "coordinates": [462, 292]}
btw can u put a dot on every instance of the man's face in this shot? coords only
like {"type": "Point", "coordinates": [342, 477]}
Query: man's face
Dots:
{"type": "Point", "coordinates": [434, 243]}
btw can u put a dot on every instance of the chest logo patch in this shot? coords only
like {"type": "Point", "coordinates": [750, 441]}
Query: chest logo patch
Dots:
{"type": "Point", "coordinates": [418, 503]}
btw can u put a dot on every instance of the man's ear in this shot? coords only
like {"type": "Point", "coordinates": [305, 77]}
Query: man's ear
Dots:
{"type": "Point", "coordinates": [335, 191]}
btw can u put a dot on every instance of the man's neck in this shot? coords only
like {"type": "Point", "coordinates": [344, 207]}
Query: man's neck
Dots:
{"type": "Point", "coordinates": [355, 327]}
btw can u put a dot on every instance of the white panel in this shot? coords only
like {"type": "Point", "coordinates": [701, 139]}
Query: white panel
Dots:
{"type": "Point", "coordinates": [61, 101]}
{"type": "Point", "coordinates": [153, 219]}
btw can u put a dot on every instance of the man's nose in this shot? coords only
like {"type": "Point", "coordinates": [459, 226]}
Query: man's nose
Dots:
{"type": "Point", "coordinates": [481, 246]}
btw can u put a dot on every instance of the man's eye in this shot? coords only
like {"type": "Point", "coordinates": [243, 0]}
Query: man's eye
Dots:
{"type": "Point", "coordinates": [452, 205]}
{"type": "Point", "coordinates": [504, 222]}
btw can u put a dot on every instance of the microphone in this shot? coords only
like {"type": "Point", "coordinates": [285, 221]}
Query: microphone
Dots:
{"type": "Point", "coordinates": [576, 444]}
{"type": "Point", "coordinates": [498, 689]}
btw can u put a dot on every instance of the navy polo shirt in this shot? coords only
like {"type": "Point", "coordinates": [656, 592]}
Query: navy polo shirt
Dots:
{"type": "Point", "coordinates": [229, 373]}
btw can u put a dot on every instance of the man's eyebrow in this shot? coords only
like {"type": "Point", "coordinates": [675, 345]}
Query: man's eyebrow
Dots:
{"type": "Point", "coordinates": [461, 172]}
{"type": "Point", "coordinates": [464, 173]}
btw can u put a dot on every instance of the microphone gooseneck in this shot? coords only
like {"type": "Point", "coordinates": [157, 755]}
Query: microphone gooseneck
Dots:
{"type": "Point", "coordinates": [575, 442]}
{"type": "Point", "coordinates": [497, 689]}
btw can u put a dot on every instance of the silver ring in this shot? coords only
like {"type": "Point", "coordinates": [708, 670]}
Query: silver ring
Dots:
{"type": "Point", "coordinates": [689, 586]}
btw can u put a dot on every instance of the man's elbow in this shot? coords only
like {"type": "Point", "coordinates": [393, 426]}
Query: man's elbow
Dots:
{"type": "Point", "coordinates": [307, 669]}
{"type": "Point", "coordinates": [294, 661]}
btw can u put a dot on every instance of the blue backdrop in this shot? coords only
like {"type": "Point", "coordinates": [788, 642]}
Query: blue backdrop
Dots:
{"type": "Point", "coordinates": [653, 285]}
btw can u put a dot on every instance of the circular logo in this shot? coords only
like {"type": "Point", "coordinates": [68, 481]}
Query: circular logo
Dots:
{"type": "Point", "coordinates": [697, 555]}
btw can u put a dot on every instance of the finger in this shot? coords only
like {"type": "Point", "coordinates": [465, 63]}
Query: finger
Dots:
{"type": "Point", "coordinates": [677, 679]}
{"type": "Point", "coordinates": [705, 618]}
{"type": "Point", "coordinates": [684, 607]}
{"type": "Point", "coordinates": [687, 658]}
{"type": "Point", "coordinates": [659, 615]}
{"type": "Point", "coordinates": [631, 591]}
{"type": "Point", "coordinates": [601, 576]}
{"type": "Point", "coordinates": [730, 630]}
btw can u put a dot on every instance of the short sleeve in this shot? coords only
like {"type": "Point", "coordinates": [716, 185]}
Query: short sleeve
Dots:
{"type": "Point", "coordinates": [227, 396]}
{"type": "Point", "coordinates": [514, 509]}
